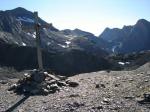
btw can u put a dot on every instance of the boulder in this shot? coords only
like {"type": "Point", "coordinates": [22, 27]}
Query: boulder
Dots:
{"type": "Point", "coordinates": [12, 87]}
{"type": "Point", "coordinates": [60, 83]}
{"type": "Point", "coordinates": [146, 96]}
{"type": "Point", "coordinates": [54, 87]}
{"type": "Point", "coordinates": [71, 83]}
{"type": "Point", "coordinates": [97, 86]}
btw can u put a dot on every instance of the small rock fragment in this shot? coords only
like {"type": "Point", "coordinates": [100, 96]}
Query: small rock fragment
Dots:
{"type": "Point", "coordinates": [20, 110]}
{"type": "Point", "coordinates": [76, 104]}
{"type": "Point", "coordinates": [46, 73]}
{"type": "Point", "coordinates": [146, 96]}
{"type": "Point", "coordinates": [72, 84]}
{"type": "Point", "coordinates": [3, 81]}
{"type": "Point", "coordinates": [98, 107]}
{"type": "Point", "coordinates": [60, 83]}
{"type": "Point", "coordinates": [53, 77]}
{"type": "Point", "coordinates": [130, 79]}
{"type": "Point", "coordinates": [48, 87]}
{"type": "Point", "coordinates": [117, 84]}
{"type": "Point", "coordinates": [146, 80]}
{"type": "Point", "coordinates": [138, 74]}
{"type": "Point", "coordinates": [74, 95]}
{"type": "Point", "coordinates": [148, 72]}
{"type": "Point", "coordinates": [54, 86]}
{"type": "Point", "coordinates": [97, 86]}
{"type": "Point", "coordinates": [26, 74]}
{"type": "Point", "coordinates": [129, 97]}
{"type": "Point", "coordinates": [51, 82]}
{"type": "Point", "coordinates": [106, 101]}
{"type": "Point", "coordinates": [62, 77]}
{"type": "Point", "coordinates": [102, 85]}
{"type": "Point", "coordinates": [45, 91]}
{"type": "Point", "coordinates": [12, 87]}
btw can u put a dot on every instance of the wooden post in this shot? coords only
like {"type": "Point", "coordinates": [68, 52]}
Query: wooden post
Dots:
{"type": "Point", "coordinates": [38, 42]}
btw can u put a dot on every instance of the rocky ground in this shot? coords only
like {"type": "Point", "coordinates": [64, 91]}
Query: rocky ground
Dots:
{"type": "Point", "coordinates": [103, 91]}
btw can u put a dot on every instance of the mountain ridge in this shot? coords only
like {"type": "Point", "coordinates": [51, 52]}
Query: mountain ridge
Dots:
{"type": "Point", "coordinates": [124, 39]}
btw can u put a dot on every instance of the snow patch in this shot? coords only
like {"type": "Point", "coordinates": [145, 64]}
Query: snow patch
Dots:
{"type": "Point", "coordinates": [116, 46]}
{"type": "Point", "coordinates": [44, 29]}
{"type": "Point", "coordinates": [113, 48]}
{"type": "Point", "coordinates": [74, 36]}
{"type": "Point", "coordinates": [68, 42]}
{"type": "Point", "coordinates": [29, 33]}
{"type": "Point", "coordinates": [62, 45]}
{"type": "Point", "coordinates": [48, 43]}
{"type": "Point", "coordinates": [66, 36]}
{"type": "Point", "coordinates": [70, 36]}
{"type": "Point", "coordinates": [121, 63]}
{"type": "Point", "coordinates": [16, 42]}
{"type": "Point", "coordinates": [127, 62]}
{"type": "Point", "coordinates": [24, 44]}
{"type": "Point", "coordinates": [32, 35]}
{"type": "Point", "coordinates": [25, 19]}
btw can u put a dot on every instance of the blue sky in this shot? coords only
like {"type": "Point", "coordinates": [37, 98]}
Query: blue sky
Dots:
{"type": "Point", "coordinates": [89, 15]}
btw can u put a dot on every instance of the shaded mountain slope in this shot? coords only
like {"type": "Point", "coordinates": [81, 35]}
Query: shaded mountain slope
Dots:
{"type": "Point", "coordinates": [129, 39]}
{"type": "Point", "coordinates": [65, 63]}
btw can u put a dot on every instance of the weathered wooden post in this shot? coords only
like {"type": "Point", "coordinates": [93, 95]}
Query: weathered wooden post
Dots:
{"type": "Point", "coordinates": [38, 41]}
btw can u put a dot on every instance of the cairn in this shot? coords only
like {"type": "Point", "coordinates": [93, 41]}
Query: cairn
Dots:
{"type": "Point", "coordinates": [41, 83]}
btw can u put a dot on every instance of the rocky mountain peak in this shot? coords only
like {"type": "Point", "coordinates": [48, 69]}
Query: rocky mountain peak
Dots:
{"type": "Point", "coordinates": [81, 32]}
{"type": "Point", "coordinates": [124, 39]}
{"type": "Point", "coordinates": [142, 21]}
{"type": "Point", "coordinates": [21, 9]}
{"type": "Point", "coordinates": [107, 29]}
{"type": "Point", "coordinates": [27, 17]}
{"type": "Point", "coordinates": [20, 12]}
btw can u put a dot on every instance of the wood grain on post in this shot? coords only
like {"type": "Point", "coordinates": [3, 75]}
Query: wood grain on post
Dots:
{"type": "Point", "coordinates": [38, 42]}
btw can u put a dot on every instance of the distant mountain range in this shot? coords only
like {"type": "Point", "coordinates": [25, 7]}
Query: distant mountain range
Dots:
{"type": "Point", "coordinates": [15, 27]}
{"type": "Point", "coordinates": [129, 39]}
{"type": "Point", "coordinates": [15, 24]}
{"type": "Point", "coordinates": [78, 50]}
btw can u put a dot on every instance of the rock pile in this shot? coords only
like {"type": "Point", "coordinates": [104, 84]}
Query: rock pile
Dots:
{"type": "Point", "coordinates": [41, 83]}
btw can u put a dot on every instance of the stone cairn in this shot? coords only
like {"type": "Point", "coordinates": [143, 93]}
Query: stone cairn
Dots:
{"type": "Point", "coordinates": [41, 83]}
